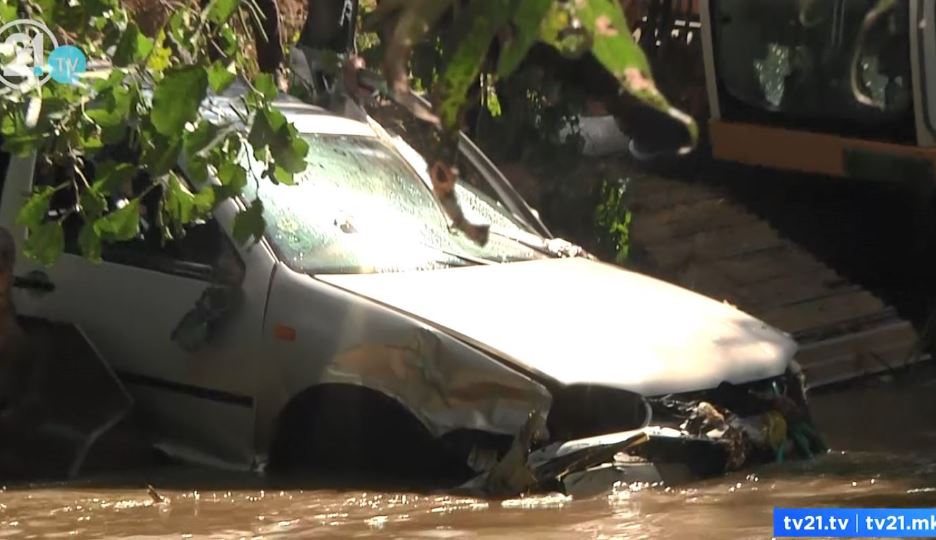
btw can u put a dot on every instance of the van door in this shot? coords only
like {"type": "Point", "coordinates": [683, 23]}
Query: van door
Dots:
{"type": "Point", "coordinates": [197, 396]}
{"type": "Point", "coordinates": [926, 43]}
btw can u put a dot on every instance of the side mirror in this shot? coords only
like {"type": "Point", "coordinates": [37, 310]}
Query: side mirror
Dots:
{"type": "Point", "coordinates": [198, 326]}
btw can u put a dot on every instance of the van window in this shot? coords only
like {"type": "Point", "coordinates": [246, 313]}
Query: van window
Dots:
{"type": "Point", "coordinates": [204, 252]}
{"type": "Point", "coordinates": [789, 62]}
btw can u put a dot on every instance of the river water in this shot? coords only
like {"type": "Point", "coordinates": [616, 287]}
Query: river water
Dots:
{"type": "Point", "coordinates": [883, 434]}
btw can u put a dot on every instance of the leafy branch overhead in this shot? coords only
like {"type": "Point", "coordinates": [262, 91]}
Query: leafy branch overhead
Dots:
{"type": "Point", "coordinates": [465, 32]}
{"type": "Point", "coordinates": [136, 143]}
{"type": "Point", "coordinates": [143, 113]}
{"type": "Point", "coordinates": [572, 27]}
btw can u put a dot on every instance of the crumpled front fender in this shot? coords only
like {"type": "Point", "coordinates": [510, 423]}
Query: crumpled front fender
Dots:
{"type": "Point", "coordinates": [443, 382]}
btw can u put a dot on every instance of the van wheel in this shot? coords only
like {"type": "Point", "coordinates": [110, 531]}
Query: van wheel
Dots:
{"type": "Point", "coordinates": [349, 434]}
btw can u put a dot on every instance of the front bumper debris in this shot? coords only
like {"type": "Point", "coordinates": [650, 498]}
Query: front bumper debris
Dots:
{"type": "Point", "coordinates": [689, 439]}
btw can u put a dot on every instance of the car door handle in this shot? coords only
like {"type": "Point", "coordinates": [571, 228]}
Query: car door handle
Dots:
{"type": "Point", "coordinates": [36, 280]}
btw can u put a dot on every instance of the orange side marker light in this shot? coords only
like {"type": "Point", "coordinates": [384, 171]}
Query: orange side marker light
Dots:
{"type": "Point", "coordinates": [284, 333]}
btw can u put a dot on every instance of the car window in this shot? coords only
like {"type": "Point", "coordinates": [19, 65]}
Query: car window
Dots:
{"type": "Point", "coordinates": [479, 198]}
{"type": "Point", "coordinates": [359, 207]}
{"type": "Point", "coordinates": [480, 207]}
{"type": "Point", "coordinates": [203, 252]}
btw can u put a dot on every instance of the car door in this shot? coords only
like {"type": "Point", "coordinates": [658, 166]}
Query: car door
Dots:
{"type": "Point", "coordinates": [196, 396]}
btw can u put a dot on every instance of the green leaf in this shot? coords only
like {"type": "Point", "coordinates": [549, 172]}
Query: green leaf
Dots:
{"type": "Point", "coordinates": [36, 208]}
{"type": "Point", "coordinates": [112, 106]}
{"type": "Point", "coordinates": [93, 204]}
{"type": "Point", "coordinates": [613, 45]}
{"type": "Point", "coordinates": [249, 224]}
{"type": "Point", "coordinates": [287, 148]}
{"type": "Point", "coordinates": [121, 224]}
{"type": "Point", "coordinates": [178, 202]}
{"type": "Point", "coordinates": [527, 19]}
{"type": "Point", "coordinates": [8, 124]}
{"type": "Point", "coordinates": [115, 77]}
{"type": "Point", "coordinates": [562, 28]}
{"type": "Point", "coordinates": [45, 243]}
{"type": "Point", "coordinates": [614, 48]}
{"type": "Point", "coordinates": [267, 123]}
{"type": "Point", "coordinates": [271, 121]}
{"type": "Point", "coordinates": [233, 143]}
{"type": "Point", "coordinates": [112, 176]}
{"type": "Point", "coordinates": [196, 167]}
{"type": "Point", "coordinates": [232, 176]}
{"type": "Point", "coordinates": [177, 98]}
{"type": "Point", "coordinates": [228, 40]}
{"type": "Point", "coordinates": [289, 151]}
{"type": "Point", "coordinates": [17, 138]}
{"type": "Point", "coordinates": [198, 140]}
{"type": "Point", "coordinates": [133, 46]}
{"type": "Point", "coordinates": [8, 12]}
{"type": "Point", "coordinates": [221, 76]}
{"type": "Point", "coordinates": [178, 25]}
{"type": "Point", "coordinates": [283, 176]}
{"type": "Point", "coordinates": [113, 134]}
{"type": "Point", "coordinates": [70, 17]}
{"type": "Point", "coordinates": [160, 154]}
{"type": "Point", "coordinates": [261, 132]}
{"type": "Point", "coordinates": [275, 119]}
{"type": "Point", "coordinates": [161, 57]}
{"type": "Point", "coordinates": [206, 199]}
{"type": "Point", "coordinates": [90, 137]}
{"type": "Point", "coordinates": [222, 10]}
{"type": "Point", "coordinates": [266, 85]}
{"type": "Point", "coordinates": [90, 242]}
{"type": "Point", "coordinates": [482, 20]}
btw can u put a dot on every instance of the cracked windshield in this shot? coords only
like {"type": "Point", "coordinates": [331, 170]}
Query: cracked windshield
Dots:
{"type": "Point", "coordinates": [638, 269]}
{"type": "Point", "coordinates": [361, 208]}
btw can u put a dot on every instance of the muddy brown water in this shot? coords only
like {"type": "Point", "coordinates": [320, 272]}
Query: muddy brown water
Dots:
{"type": "Point", "coordinates": [883, 433]}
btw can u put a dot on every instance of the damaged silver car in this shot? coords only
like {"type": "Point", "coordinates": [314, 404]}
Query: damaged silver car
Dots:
{"type": "Point", "coordinates": [364, 331]}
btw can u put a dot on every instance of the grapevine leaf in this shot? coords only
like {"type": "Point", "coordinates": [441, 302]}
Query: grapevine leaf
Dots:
{"type": "Point", "coordinates": [177, 98]}
{"type": "Point", "coordinates": [45, 243]}
{"type": "Point", "coordinates": [249, 224]}
{"type": "Point", "coordinates": [121, 224]}
{"type": "Point", "coordinates": [34, 211]}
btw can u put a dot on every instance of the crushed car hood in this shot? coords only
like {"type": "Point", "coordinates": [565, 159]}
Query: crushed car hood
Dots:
{"type": "Point", "coordinates": [580, 321]}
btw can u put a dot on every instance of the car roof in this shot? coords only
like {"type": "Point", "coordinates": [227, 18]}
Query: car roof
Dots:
{"type": "Point", "coordinates": [307, 118]}
{"type": "Point", "coordinates": [313, 120]}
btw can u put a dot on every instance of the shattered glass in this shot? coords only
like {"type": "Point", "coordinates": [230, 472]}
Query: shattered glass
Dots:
{"type": "Point", "coordinates": [359, 207]}
{"type": "Point", "coordinates": [874, 81]}
{"type": "Point", "coordinates": [772, 72]}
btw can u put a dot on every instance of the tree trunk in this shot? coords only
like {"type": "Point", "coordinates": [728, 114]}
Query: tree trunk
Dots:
{"type": "Point", "coordinates": [269, 37]}
{"type": "Point", "coordinates": [330, 24]}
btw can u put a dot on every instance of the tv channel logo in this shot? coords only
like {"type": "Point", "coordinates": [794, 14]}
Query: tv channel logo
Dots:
{"type": "Point", "coordinates": [24, 44]}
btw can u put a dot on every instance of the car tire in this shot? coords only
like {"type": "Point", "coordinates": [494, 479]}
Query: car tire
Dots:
{"type": "Point", "coordinates": [351, 433]}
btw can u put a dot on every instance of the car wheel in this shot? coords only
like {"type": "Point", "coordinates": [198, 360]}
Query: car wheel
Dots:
{"type": "Point", "coordinates": [353, 433]}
